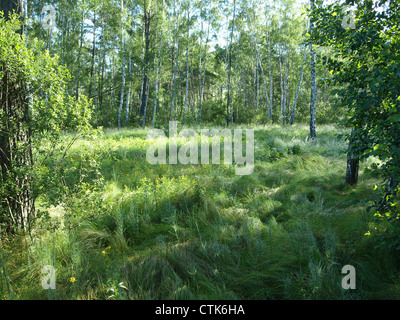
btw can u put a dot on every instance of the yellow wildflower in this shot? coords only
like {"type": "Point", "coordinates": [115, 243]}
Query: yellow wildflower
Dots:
{"type": "Point", "coordinates": [104, 252]}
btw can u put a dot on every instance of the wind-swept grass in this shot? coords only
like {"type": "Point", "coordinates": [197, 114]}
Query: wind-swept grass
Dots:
{"type": "Point", "coordinates": [120, 228]}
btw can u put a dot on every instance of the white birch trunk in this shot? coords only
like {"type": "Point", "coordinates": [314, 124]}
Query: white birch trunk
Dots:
{"type": "Point", "coordinates": [285, 89]}
{"type": "Point", "coordinates": [123, 74]}
{"type": "Point", "coordinates": [313, 134]}
{"type": "Point", "coordinates": [128, 96]}
{"type": "Point", "coordinates": [187, 66]}
{"type": "Point", "coordinates": [270, 77]}
{"type": "Point", "coordinates": [156, 81]}
{"type": "Point", "coordinates": [204, 76]}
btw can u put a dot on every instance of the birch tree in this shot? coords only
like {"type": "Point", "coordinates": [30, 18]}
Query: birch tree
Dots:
{"type": "Point", "coordinates": [121, 101]}
{"type": "Point", "coordinates": [16, 203]}
{"type": "Point", "coordinates": [230, 64]}
{"type": "Point", "coordinates": [187, 63]}
{"type": "Point", "coordinates": [313, 134]}
{"type": "Point", "coordinates": [202, 78]}
{"type": "Point", "coordinates": [156, 100]}
{"type": "Point", "coordinates": [146, 25]}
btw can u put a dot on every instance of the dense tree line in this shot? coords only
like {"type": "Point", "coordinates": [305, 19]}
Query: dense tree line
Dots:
{"type": "Point", "coordinates": [147, 62]}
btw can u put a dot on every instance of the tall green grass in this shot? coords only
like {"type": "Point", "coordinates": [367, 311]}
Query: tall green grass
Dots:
{"type": "Point", "coordinates": [121, 228]}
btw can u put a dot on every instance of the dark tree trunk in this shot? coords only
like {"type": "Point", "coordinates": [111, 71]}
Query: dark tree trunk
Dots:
{"type": "Point", "coordinates": [352, 163]}
{"type": "Point", "coordinates": [16, 204]}
{"type": "Point", "coordinates": [352, 169]}
{"type": "Point", "coordinates": [7, 6]}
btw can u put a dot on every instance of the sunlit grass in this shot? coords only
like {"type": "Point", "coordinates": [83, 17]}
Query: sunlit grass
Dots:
{"type": "Point", "coordinates": [199, 231]}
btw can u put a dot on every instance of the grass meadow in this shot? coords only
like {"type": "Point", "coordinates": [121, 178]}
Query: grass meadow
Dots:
{"type": "Point", "coordinates": [116, 227]}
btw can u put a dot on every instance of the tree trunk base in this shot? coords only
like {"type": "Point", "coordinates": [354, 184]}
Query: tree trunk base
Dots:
{"type": "Point", "coordinates": [352, 170]}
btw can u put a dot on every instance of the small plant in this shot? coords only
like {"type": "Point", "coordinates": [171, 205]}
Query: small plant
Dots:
{"type": "Point", "coordinates": [267, 153]}
{"type": "Point", "coordinates": [296, 149]}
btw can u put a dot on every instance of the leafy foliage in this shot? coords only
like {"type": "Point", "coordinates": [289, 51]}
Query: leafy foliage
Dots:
{"type": "Point", "coordinates": [34, 106]}
{"type": "Point", "coordinates": [366, 63]}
